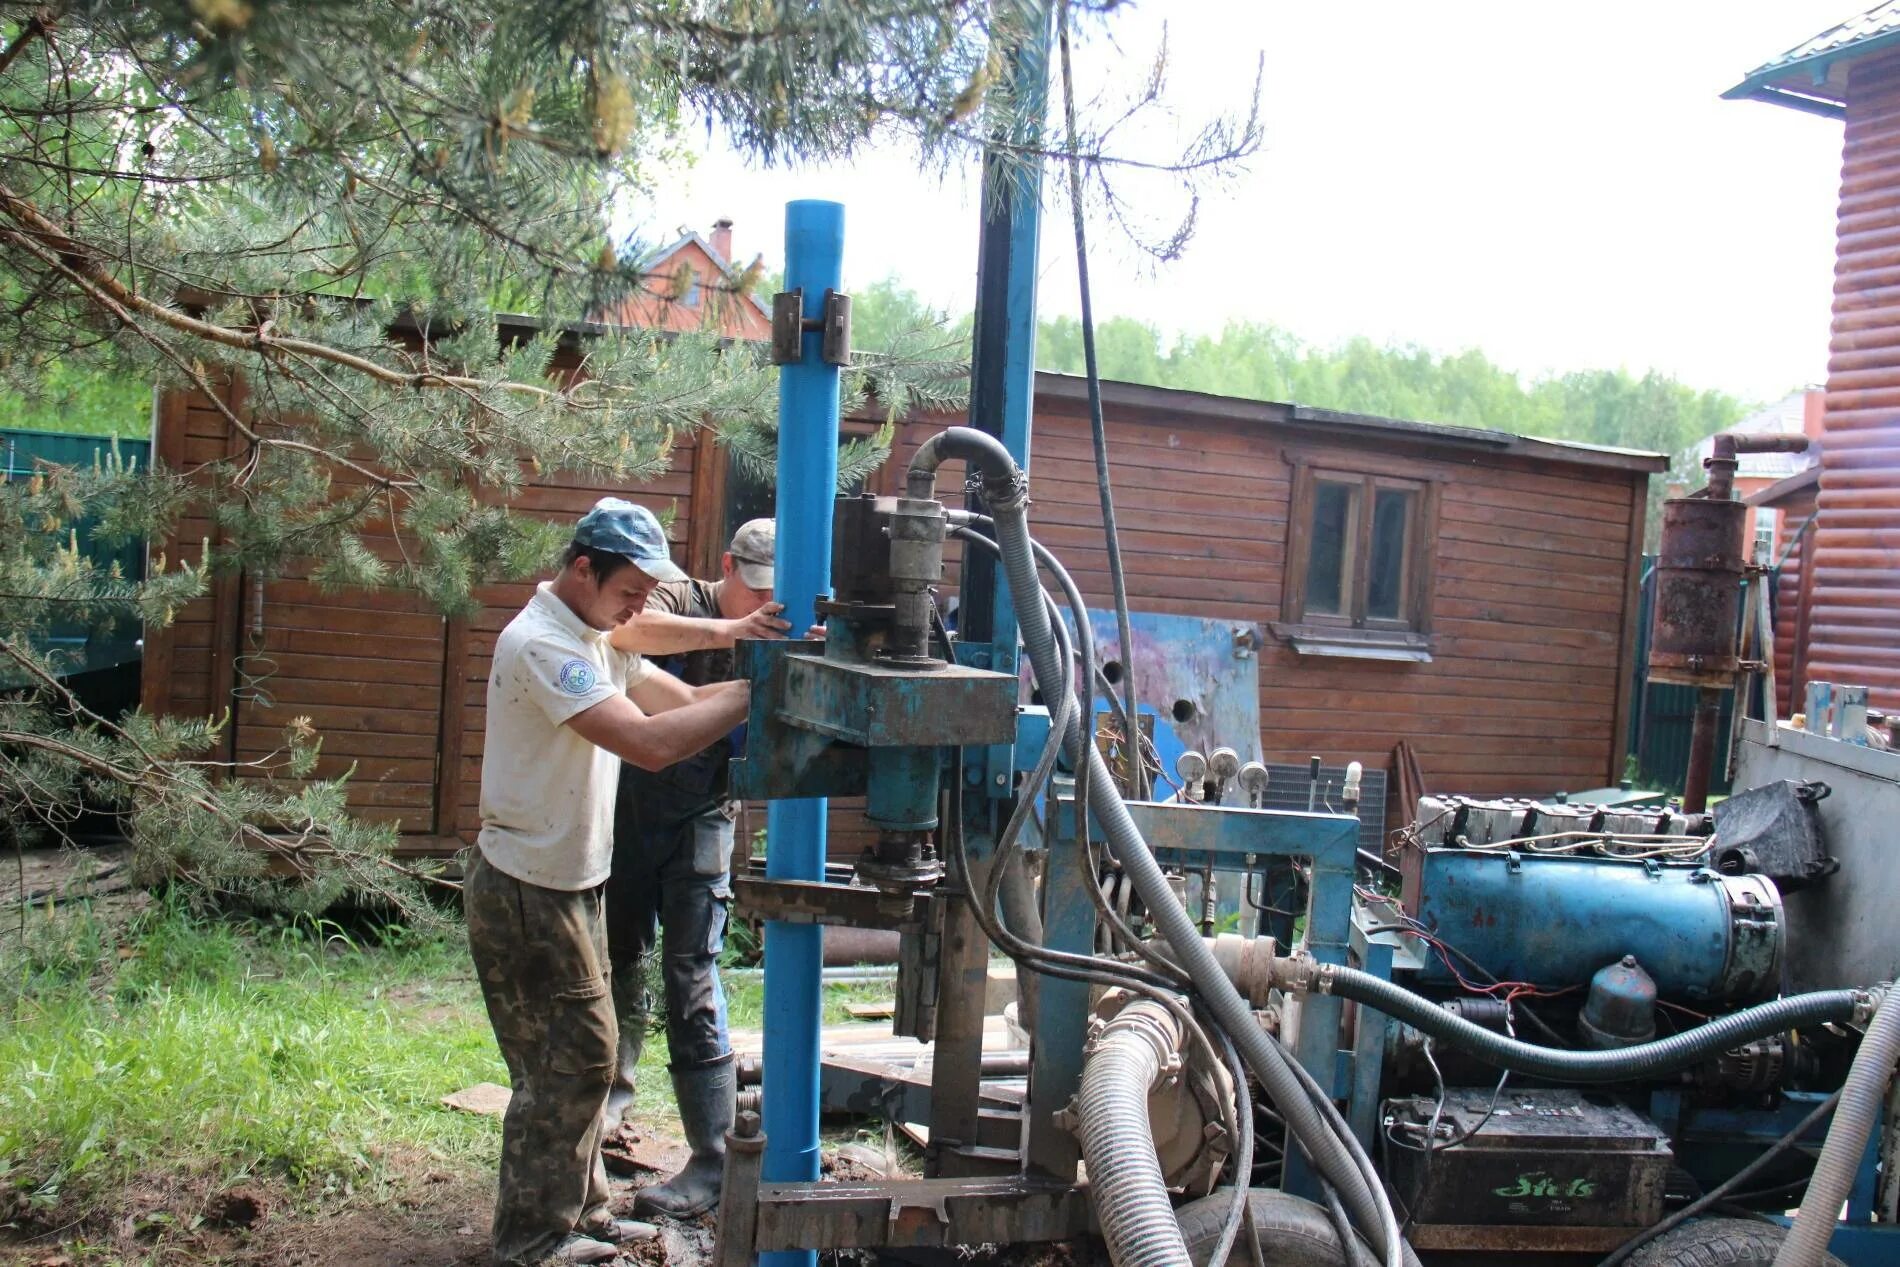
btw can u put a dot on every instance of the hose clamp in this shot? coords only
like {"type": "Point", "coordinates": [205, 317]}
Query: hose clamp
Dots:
{"type": "Point", "coordinates": [1868, 1001]}
{"type": "Point", "coordinates": [1323, 978]}
{"type": "Point", "coordinates": [1008, 492]}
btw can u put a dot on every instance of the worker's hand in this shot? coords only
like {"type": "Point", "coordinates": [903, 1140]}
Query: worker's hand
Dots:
{"type": "Point", "coordinates": [764, 623]}
{"type": "Point", "coordinates": [815, 634]}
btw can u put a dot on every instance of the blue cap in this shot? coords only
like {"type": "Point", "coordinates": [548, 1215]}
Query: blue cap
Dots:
{"type": "Point", "coordinates": [633, 532]}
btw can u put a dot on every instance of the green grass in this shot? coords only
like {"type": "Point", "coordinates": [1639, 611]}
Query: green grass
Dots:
{"type": "Point", "coordinates": [189, 1047]}
{"type": "Point", "coordinates": [181, 1047]}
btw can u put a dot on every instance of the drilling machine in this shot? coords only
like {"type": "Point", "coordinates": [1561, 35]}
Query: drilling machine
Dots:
{"type": "Point", "coordinates": [1333, 1076]}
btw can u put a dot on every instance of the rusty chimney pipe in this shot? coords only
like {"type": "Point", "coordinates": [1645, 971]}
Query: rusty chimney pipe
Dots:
{"type": "Point", "coordinates": [1696, 630]}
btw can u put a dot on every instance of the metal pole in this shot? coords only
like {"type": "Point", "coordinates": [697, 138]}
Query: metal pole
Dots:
{"type": "Point", "coordinates": [795, 830]}
{"type": "Point", "coordinates": [1002, 399]}
{"type": "Point", "coordinates": [1708, 715]}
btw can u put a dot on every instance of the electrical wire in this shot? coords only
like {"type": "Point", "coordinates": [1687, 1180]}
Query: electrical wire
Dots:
{"type": "Point", "coordinates": [1243, 1158]}
{"type": "Point", "coordinates": [1722, 1191]}
{"type": "Point", "coordinates": [1414, 928]}
{"type": "Point", "coordinates": [1317, 1123]}
{"type": "Point", "coordinates": [1098, 427]}
{"type": "Point", "coordinates": [1084, 649]}
{"type": "Point", "coordinates": [1431, 1146]}
{"type": "Point", "coordinates": [1041, 959]}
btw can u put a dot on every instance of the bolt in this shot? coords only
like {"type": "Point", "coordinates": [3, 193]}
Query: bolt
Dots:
{"type": "Point", "coordinates": [973, 776]}
{"type": "Point", "coordinates": [1002, 780]}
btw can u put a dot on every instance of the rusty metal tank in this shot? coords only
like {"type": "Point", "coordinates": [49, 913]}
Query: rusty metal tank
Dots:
{"type": "Point", "coordinates": [1694, 636]}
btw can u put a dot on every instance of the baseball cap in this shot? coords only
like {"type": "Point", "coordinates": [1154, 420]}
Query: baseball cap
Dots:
{"type": "Point", "coordinates": [754, 549]}
{"type": "Point", "coordinates": [621, 527]}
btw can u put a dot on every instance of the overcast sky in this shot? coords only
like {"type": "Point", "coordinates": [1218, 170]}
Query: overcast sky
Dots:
{"type": "Point", "coordinates": [1557, 185]}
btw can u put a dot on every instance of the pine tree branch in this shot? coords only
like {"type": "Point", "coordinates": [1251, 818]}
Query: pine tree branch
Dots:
{"type": "Point", "coordinates": [48, 242]}
{"type": "Point", "coordinates": [156, 778]}
{"type": "Point", "coordinates": [35, 27]}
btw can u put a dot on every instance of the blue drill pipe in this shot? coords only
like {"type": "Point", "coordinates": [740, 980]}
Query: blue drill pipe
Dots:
{"type": "Point", "coordinates": [795, 830]}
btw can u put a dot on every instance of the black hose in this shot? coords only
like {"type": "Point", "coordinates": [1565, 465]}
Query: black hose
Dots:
{"type": "Point", "coordinates": [1006, 491]}
{"type": "Point", "coordinates": [1243, 1157]}
{"type": "Point", "coordinates": [1098, 428]}
{"type": "Point", "coordinates": [1627, 1064]}
{"type": "Point", "coordinates": [1091, 673]}
{"type": "Point", "coordinates": [1721, 1192]}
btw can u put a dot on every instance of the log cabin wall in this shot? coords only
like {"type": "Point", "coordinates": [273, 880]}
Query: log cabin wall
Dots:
{"type": "Point", "coordinates": [1521, 570]}
{"type": "Point", "coordinates": [1853, 616]}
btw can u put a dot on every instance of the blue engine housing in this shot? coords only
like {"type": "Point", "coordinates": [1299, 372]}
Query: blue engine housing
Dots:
{"type": "Point", "coordinates": [1555, 921]}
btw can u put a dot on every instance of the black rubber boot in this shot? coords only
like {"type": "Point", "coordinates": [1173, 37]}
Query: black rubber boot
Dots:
{"type": "Point", "coordinates": [633, 1033]}
{"type": "Point", "coordinates": [707, 1098]}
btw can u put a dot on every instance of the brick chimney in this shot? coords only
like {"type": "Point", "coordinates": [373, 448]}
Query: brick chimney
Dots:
{"type": "Point", "coordinates": [722, 239]}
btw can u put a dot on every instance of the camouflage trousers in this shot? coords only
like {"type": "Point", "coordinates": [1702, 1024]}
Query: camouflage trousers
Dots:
{"type": "Point", "coordinates": [541, 957]}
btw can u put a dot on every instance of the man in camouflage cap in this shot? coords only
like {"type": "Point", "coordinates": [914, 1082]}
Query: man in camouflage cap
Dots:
{"type": "Point", "coordinates": [565, 708]}
{"type": "Point", "coordinates": [673, 839]}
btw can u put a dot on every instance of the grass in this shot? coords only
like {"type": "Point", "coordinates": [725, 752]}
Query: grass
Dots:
{"type": "Point", "coordinates": [195, 1048]}
{"type": "Point", "coordinates": [187, 1048]}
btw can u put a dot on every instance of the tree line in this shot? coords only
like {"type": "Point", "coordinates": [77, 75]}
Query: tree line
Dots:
{"type": "Point", "coordinates": [1261, 361]}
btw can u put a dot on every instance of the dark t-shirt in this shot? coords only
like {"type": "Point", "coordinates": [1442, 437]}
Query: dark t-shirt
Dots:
{"type": "Point", "coordinates": [699, 783]}
{"type": "Point", "coordinates": [700, 600]}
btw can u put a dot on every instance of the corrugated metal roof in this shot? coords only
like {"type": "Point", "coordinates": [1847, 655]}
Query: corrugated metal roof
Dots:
{"type": "Point", "coordinates": [1804, 77]}
{"type": "Point", "coordinates": [1185, 404]}
{"type": "Point", "coordinates": [1876, 21]}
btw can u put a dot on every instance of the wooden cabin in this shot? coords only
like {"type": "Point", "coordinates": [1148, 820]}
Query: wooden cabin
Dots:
{"type": "Point", "coordinates": [1469, 591]}
{"type": "Point", "coordinates": [1847, 628]}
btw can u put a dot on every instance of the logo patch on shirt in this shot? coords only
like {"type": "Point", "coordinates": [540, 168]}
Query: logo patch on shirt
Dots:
{"type": "Point", "coordinates": [576, 677]}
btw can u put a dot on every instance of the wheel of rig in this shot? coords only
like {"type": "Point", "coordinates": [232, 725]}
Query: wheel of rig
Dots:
{"type": "Point", "coordinates": [1293, 1232]}
{"type": "Point", "coordinates": [1716, 1243]}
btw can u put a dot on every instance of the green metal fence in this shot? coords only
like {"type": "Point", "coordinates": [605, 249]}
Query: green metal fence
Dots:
{"type": "Point", "coordinates": [81, 649]}
{"type": "Point", "coordinates": [1662, 715]}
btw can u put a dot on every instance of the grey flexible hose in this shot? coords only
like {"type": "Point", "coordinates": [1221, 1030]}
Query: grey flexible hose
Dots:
{"type": "Point", "coordinates": [1370, 1208]}
{"type": "Point", "coordinates": [1666, 1055]}
{"type": "Point", "coordinates": [1846, 1144]}
{"type": "Point", "coordinates": [1130, 1193]}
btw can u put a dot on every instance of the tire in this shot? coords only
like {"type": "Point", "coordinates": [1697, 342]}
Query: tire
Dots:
{"type": "Point", "coordinates": [1293, 1232]}
{"type": "Point", "coordinates": [1716, 1243]}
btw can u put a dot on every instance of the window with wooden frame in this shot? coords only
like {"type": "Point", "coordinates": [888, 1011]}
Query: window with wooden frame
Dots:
{"type": "Point", "coordinates": [1359, 564]}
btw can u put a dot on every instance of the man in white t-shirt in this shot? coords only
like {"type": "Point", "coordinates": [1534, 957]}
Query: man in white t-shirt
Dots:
{"type": "Point", "coordinates": [565, 708]}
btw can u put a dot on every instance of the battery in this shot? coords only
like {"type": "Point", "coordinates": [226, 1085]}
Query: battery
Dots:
{"type": "Point", "coordinates": [1556, 1157]}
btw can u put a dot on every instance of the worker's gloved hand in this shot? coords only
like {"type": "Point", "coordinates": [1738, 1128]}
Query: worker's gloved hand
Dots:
{"type": "Point", "coordinates": [765, 623]}
{"type": "Point", "coordinates": [815, 634]}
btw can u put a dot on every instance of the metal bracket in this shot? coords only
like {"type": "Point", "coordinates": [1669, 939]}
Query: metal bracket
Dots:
{"type": "Point", "coordinates": [789, 325]}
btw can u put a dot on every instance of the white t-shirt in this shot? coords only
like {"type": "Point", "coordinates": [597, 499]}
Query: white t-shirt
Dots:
{"type": "Point", "coordinates": [547, 793]}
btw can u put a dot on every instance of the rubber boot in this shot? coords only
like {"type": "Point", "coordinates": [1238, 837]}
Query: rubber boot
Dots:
{"type": "Point", "coordinates": [633, 1035]}
{"type": "Point", "coordinates": [707, 1098]}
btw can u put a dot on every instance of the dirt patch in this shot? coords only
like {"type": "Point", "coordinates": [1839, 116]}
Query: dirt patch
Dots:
{"type": "Point", "coordinates": [430, 1224]}
{"type": "Point", "coordinates": [239, 1207]}
{"type": "Point", "coordinates": [99, 876]}
{"type": "Point", "coordinates": [425, 1217]}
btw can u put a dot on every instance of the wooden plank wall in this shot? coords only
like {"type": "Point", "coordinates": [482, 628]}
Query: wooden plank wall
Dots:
{"type": "Point", "coordinates": [562, 498]}
{"type": "Point", "coordinates": [1534, 587]}
{"type": "Point", "coordinates": [1533, 594]}
{"type": "Point", "coordinates": [1854, 618]}
{"type": "Point", "coordinates": [1791, 606]}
